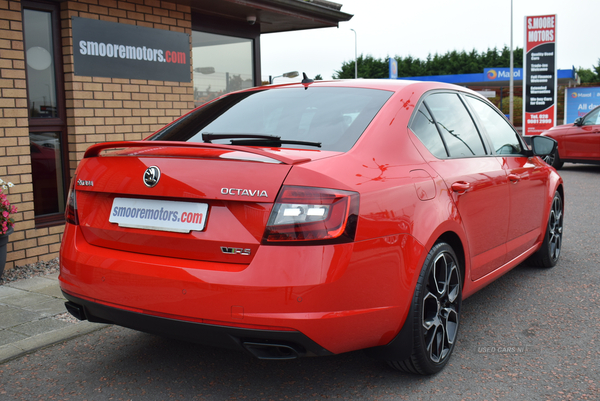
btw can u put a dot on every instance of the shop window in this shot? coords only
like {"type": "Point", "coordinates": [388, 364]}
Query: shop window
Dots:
{"type": "Point", "coordinates": [221, 64]}
{"type": "Point", "coordinates": [47, 128]}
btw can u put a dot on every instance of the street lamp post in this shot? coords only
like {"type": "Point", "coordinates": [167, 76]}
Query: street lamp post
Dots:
{"type": "Point", "coordinates": [291, 74]}
{"type": "Point", "coordinates": [355, 56]}
{"type": "Point", "coordinates": [512, 76]}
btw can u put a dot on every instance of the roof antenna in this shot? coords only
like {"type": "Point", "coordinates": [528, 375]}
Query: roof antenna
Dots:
{"type": "Point", "coordinates": [306, 80]}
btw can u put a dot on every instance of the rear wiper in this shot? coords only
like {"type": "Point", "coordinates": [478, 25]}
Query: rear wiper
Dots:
{"type": "Point", "coordinates": [273, 142]}
{"type": "Point", "coordinates": [208, 137]}
{"type": "Point", "coordinates": [256, 139]}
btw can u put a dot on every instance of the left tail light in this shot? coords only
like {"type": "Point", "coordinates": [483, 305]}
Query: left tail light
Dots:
{"type": "Point", "coordinates": [71, 209]}
{"type": "Point", "coordinates": [312, 215]}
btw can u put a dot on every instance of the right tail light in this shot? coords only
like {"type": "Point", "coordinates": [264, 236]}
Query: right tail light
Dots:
{"type": "Point", "coordinates": [310, 215]}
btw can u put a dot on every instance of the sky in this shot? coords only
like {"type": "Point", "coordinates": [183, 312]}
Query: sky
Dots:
{"type": "Point", "coordinates": [418, 28]}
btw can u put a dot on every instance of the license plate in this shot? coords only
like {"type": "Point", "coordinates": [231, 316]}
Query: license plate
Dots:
{"type": "Point", "coordinates": [148, 214]}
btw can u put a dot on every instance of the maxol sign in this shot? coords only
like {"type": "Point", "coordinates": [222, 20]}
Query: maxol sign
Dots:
{"type": "Point", "coordinates": [113, 50]}
{"type": "Point", "coordinates": [502, 74]}
{"type": "Point", "coordinates": [579, 102]}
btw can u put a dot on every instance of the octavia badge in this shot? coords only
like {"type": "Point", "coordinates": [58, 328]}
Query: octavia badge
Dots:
{"type": "Point", "coordinates": [151, 176]}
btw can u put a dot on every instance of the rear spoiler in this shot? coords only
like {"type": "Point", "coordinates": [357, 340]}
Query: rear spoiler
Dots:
{"type": "Point", "coordinates": [94, 150]}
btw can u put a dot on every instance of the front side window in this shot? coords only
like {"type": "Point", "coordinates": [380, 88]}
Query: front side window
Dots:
{"type": "Point", "coordinates": [221, 64]}
{"type": "Point", "coordinates": [504, 139]}
{"type": "Point", "coordinates": [593, 117]}
{"type": "Point", "coordinates": [455, 125]}
{"type": "Point", "coordinates": [320, 118]}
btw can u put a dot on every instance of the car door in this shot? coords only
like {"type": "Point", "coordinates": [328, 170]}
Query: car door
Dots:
{"type": "Point", "coordinates": [583, 141]}
{"type": "Point", "coordinates": [527, 178]}
{"type": "Point", "coordinates": [476, 180]}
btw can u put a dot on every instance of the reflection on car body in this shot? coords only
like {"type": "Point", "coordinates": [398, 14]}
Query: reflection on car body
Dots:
{"type": "Point", "coordinates": [379, 216]}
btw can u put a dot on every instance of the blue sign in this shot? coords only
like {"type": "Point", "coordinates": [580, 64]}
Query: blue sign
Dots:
{"type": "Point", "coordinates": [393, 68]}
{"type": "Point", "coordinates": [502, 74]}
{"type": "Point", "coordinates": [579, 102]}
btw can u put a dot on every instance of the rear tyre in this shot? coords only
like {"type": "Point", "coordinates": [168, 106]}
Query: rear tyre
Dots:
{"type": "Point", "coordinates": [548, 255]}
{"type": "Point", "coordinates": [436, 315]}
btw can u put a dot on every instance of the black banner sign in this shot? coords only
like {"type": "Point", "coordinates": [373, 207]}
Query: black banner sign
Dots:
{"type": "Point", "coordinates": [113, 50]}
{"type": "Point", "coordinates": [540, 82]}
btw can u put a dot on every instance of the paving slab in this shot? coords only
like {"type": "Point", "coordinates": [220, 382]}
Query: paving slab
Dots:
{"type": "Point", "coordinates": [32, 317]}
{"type": "Point", "coordinates": [6, 291]}
{"type": "Point", "coordinates": [26, 300]}
{"type": "Point", "coordinates": [41, 326]}
{"type": "Point", "coordinates": [12, 317]}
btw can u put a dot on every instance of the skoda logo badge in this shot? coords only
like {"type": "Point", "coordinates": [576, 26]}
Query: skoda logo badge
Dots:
{"type": "Point", "coordinates": [151, 176]}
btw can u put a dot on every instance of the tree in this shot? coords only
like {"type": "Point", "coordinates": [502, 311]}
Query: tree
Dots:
{"type": "Point", "coordinates": [318, 77]}
{"type": "Point", "coordinates": [450, 63]}
{"type": "Point", "coordinates": [588, 76]}
{"type": "Point", "coordinates": [368, 67]}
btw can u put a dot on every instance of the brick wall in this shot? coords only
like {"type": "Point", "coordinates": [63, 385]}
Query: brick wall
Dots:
{"type": "Point", "coordinates": [15, 162]}
{"type": "Point", "coordinates": [110, 109]}
{"type": "Point", "coordinates": [98, 109]}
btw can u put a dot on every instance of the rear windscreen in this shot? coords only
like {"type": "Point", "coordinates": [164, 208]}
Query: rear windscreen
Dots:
{"type": "Point", "coordinates": [325, 118]}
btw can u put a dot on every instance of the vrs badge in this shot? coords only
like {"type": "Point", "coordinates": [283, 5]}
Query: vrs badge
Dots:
{"type": "Point", "coordinates": [235, 251]}
{"type": "Point", "coordinates": [151, 176]}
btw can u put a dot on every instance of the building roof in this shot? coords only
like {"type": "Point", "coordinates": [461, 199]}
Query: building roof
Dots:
{"type": "Point", "coordinates": [275, 15]}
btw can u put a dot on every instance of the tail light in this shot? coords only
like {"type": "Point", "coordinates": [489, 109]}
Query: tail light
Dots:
{"type": "Point", "coordinates": [306, 214]}
{"type": "Point", "coordinates": [71, 209]}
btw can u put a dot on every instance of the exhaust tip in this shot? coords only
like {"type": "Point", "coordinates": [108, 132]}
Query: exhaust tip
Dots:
{"type": "Point", "coordinates": [271, 351]}
{"type": "Point", "coordinates": [76, 310]}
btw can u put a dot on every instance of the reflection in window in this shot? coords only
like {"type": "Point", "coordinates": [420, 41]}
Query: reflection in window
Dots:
{"type": "Point", "coordinates": [504, 138]}
{"type": "Point", "coordinates": [593, 118]}
{"type": "Point", "coordinates": [46, 166]}
{"type": "Point", "coordinates": [455, 125]}
{"type": "Point", "coordinates": [324, 118]}
{"type": "Point", "coordinates": [41, 88]}
{"type": "Point", "coordinates": [46, 126]}
{"type": "Point", "coordinates": [424, 128]}
{"type": "Point", "coordinates": [221, 64]}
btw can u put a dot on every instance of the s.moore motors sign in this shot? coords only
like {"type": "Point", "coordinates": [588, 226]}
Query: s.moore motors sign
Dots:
{"type": "Point", "coordinates": [113, 50]}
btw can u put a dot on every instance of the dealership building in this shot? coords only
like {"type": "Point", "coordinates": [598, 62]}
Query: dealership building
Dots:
{"type": "Point", "coordinates": [76, 73]}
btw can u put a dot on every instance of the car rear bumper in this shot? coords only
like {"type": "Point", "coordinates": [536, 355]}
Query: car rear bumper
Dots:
{"type": "Point", "coordinates": [263, 344]}
{"type": "Point", "coordinates": [322, 299]}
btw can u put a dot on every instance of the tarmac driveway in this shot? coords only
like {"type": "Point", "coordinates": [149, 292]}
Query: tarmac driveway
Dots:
{"type": "Point", "coordinates": [531, 335]}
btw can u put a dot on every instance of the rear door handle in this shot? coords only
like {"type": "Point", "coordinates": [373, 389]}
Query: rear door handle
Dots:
{"type": "Point", "coordinates": [461, 187]}
{"type": "Point", "coordinates": [514, 178]}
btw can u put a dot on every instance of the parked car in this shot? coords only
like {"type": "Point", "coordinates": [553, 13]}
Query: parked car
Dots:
{"type": "Point", "coordinates": [310, 219]}
{"type": "Point", "coordinates": [578, 142]}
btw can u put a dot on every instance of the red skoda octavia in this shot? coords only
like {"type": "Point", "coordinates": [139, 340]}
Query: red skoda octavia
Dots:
{"type": "Point", "coordinates": [311, 219]}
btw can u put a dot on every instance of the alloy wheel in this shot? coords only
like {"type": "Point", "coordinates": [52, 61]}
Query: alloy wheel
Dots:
{"type": "Point", "coordinates": [555, 228]}
{"type": "Point", "coordinates": [441, 306]}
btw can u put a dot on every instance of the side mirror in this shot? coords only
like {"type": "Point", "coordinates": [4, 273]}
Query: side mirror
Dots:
{"type": "Point", "coordinates": [543, 145]}
{"type": "Point", "coordinates": [579, 121]}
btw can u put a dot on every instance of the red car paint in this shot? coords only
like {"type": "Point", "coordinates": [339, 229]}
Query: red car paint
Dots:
{"type": "Point", "coordinates": [344, 296]}
{"type": "Point", "coordinates": [578, 142]}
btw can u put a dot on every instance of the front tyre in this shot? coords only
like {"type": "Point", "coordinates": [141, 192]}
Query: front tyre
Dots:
{"type": "Point", "coordinates": [554, 160]}
{"type": "Point", "coordinates": [436, 316]}
{"type": "Point", "coordinates": [548, 255]}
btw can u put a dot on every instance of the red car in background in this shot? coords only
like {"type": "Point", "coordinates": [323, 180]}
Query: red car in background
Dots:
{"type": "Point", "coordinates": [578, 142]}
{"type": "Point", "coordinates": [311, 219]}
